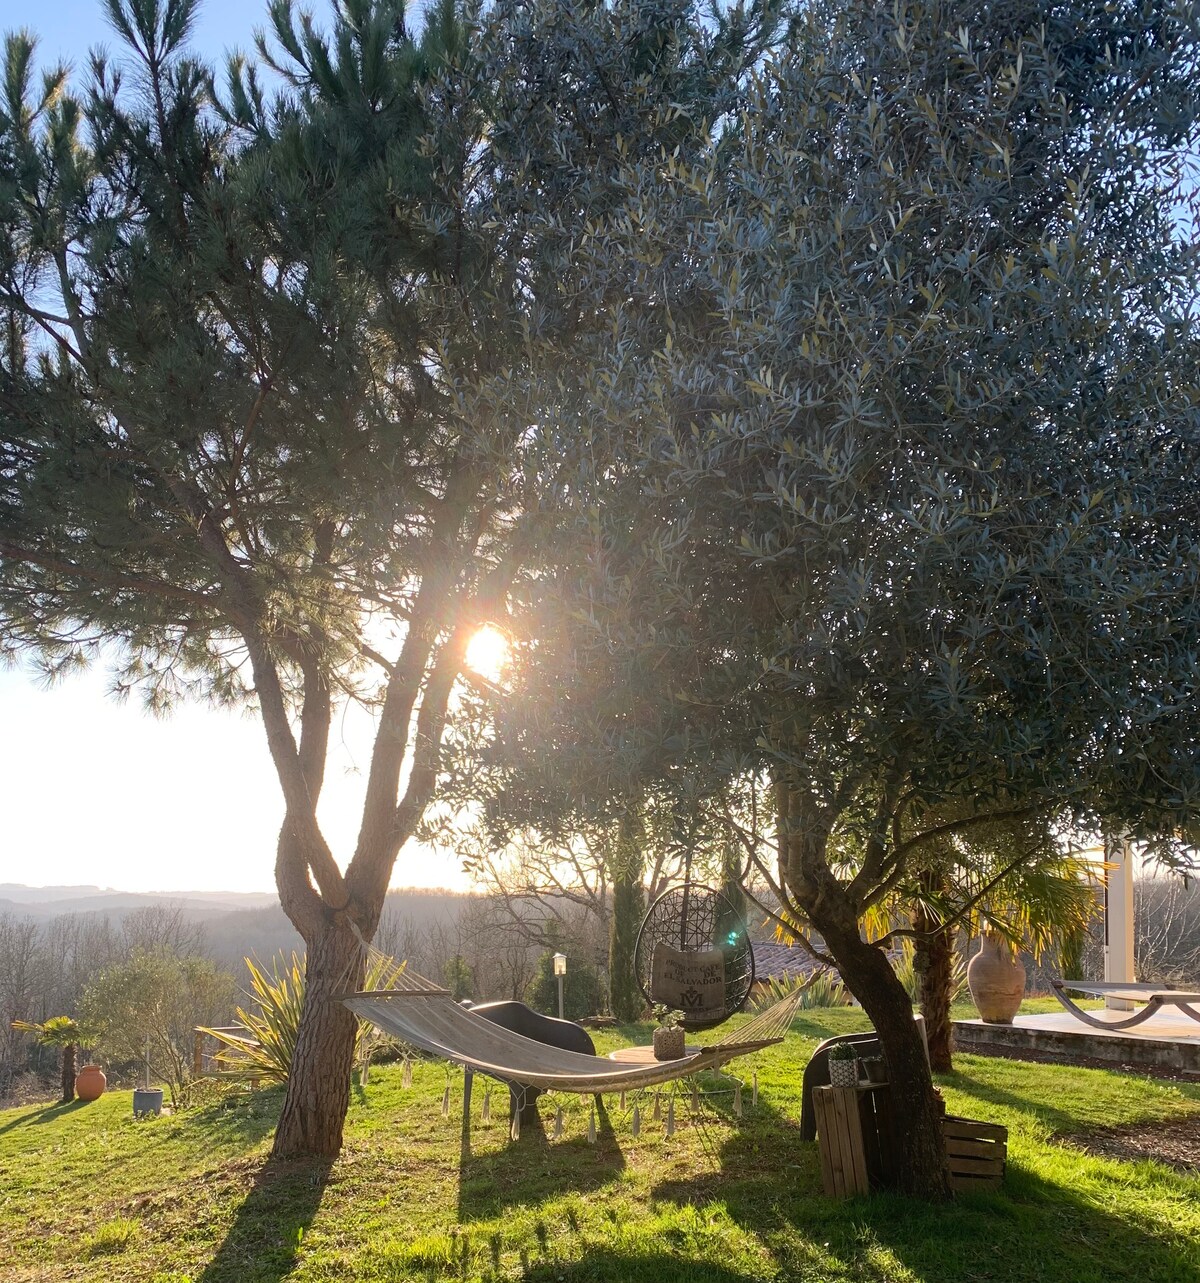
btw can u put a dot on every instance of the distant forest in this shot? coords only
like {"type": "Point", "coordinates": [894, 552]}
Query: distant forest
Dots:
{"type": "Point", "coordinates": [55, 941]}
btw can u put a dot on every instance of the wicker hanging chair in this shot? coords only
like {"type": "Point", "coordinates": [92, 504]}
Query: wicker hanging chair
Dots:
{"type": "Point", "coordinates": [693, 955]}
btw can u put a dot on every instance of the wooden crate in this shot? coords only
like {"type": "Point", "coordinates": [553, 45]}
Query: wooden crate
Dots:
{"type": "Point", "coordinates": [977, 1153]}
{"type": "Point", "coordinates": [854, 1136]}
{"type": "Point", "coordinates": [840, 1141]}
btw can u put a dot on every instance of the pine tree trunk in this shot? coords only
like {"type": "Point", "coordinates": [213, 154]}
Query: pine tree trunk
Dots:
{"type": "Point", "coordinates": [68, 1073]}
{"type": "Point", "coordinates": [318, 1089]}
{"type": "Point", "coordinates": [933, 961]}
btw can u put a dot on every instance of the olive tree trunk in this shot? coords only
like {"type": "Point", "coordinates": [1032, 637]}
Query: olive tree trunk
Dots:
{"type": "Point", "coordinates": [827, 903]}
{"type": "Point", "coordinates": [920, 1147]}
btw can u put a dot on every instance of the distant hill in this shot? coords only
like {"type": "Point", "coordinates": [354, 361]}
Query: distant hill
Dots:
{"type": "Point", "coordinates": [48, 902]}
{"type": "Point", "coordinates": [236, 924]}
{"type": "Point", "coordinates": [15, 893]}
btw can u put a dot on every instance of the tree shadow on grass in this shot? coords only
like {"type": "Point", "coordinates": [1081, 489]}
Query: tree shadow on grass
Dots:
{"type": "Point", "coordinates": [263, 1243]}
{"type": "Point", "coordinates": [601, 1266]}
{"type": "Point", "coordinates": [1058, 1120]}
{"type": "Point", "coordinates": [770, 1186]}
{"type": "Point", "coordinates": [532, 1168]}
{"type": "Point", "coordinates": [241, 1119]}
{"type": "Point", "coordinates": [1071, 1234]}
{"type": "Point", "coordinates": [47, 1114]}
{"type": "Point", "coordinates": [761, 1161]}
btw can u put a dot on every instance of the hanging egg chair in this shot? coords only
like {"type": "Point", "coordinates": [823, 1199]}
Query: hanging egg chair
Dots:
{"type": "Point", "coordinates": [693, 955]}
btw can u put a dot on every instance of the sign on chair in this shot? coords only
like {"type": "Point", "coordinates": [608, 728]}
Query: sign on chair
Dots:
{"type": "Point", "coordinates": [693, 983]}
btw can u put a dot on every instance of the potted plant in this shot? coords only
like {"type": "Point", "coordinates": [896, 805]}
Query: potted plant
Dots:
{"type": "Point", "coordinates": [874, 1068]}
{"type": "Point", "coordinates": [668, 1037]}
{"type": "Point", "coordinates": [147, 1100]}
{"type": "Point", "coordinates": [843, 1065]}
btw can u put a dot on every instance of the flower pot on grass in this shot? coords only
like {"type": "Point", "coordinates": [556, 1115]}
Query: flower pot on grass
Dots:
{"type": "Point", "coordinates": [147, 1101]}
{"type": "Point", "coordinates": [90, 1082]}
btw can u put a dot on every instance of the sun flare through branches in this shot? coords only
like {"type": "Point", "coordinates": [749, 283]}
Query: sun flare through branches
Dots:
{"type": "Point", "coordinates": [488, 653]}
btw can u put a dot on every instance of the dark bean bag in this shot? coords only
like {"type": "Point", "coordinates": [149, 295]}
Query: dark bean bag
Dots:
{"type": "Point", "coordinates": [528, 1023]}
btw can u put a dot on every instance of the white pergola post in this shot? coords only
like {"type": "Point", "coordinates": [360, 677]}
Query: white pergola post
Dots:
{"type": "Point", "coordinates": [1118, 918]}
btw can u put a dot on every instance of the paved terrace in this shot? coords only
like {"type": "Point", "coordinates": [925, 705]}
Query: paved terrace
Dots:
{"type": "Point", "coordinates": [1167, 1041]}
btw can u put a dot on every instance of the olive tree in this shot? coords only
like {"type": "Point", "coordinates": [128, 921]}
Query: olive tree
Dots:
{"type": "Point", "coordinates": [148, 1008]}
{"type": "Point", "coordinates": [883, 444]}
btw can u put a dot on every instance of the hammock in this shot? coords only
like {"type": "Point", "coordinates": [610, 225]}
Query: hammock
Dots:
{"type": "Point", "coordinates": [424, 1015]}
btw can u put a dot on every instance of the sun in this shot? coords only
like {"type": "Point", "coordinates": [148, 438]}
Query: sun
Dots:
{"type": "Point", "coordinates": [488, 652]}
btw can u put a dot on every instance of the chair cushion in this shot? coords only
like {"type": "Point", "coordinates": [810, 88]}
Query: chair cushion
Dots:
{"type": "Point", "coordinates": [693, 983]}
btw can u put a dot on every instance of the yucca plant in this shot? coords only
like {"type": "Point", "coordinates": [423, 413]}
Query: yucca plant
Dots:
{"type": "Point", "coordinates": [823, 990]}
{"type": "Point", "coordinates": [266, 1048]}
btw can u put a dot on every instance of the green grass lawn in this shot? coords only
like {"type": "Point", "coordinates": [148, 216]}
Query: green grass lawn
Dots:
{"type": "Point", "coordinates": [86, 1193]}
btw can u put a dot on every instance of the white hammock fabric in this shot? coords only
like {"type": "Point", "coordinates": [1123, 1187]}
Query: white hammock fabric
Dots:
{"type": "Point", "coordinates": [424, 1015]}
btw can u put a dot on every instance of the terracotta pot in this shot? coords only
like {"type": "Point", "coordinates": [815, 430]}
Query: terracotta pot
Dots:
{"type": "Point", "coordinates": [996, 979]}
{"type": "Point", "coordinates": [90, 1082]}
{"type": "Point", "coordinates": [668, 1043]}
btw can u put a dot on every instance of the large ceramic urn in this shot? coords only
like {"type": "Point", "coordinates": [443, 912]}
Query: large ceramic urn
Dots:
{"type": "Point", "coordinates": [90, 1082]}
{"type": "Point", "coordinates": [996, 979]}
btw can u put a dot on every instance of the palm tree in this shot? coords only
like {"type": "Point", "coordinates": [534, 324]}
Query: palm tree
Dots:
{"type": "Point", "coordinates": [1016, 879]}
{"type": "Point", "coordinates": [58, 1031]}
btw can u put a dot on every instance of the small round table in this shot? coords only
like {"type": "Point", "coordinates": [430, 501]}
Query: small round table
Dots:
{"type": "Point", "coordinates": [644, 1055]}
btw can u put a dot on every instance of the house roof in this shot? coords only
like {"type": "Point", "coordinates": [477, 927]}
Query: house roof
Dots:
{"type": "Point", "coordinates": [780, 961]}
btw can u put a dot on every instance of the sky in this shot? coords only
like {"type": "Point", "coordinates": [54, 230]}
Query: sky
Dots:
{"type": "Point", "coordinates": [67, 29]}
{"type": "Point", "coordinates": [94, 792]}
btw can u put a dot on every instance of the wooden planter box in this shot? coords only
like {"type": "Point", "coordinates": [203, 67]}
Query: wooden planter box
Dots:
{"type": "Point", "coordinates": [977, 1152]}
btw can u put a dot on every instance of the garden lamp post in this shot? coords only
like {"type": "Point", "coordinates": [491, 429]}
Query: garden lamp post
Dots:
{"type": "Point", "coordinates": [560, 970]}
